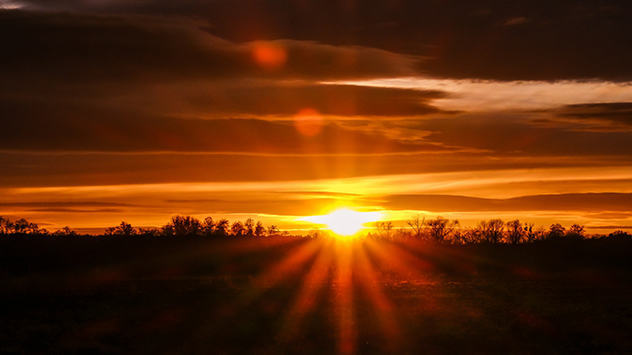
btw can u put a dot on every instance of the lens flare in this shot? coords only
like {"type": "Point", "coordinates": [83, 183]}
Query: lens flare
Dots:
{"type": "Point", "coordinates": [308, 122]}
{"type": "Point", "coordinates": [269, 55]}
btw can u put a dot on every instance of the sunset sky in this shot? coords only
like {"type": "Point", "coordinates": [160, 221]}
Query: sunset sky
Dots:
{"type": "Point", "coordinates": [137, 110]}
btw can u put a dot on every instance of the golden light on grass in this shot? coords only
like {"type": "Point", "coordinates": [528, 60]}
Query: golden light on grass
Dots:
{"type": "Point", "coordinates": [345, 222]}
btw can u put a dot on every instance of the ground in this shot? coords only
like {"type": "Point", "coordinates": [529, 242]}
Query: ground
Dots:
{"type": "Point", "coordinates": [194, 296]}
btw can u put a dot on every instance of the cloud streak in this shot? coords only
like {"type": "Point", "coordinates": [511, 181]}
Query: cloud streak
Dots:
{"type": "Point", "coordinates": [79, 48]}
{"type": "Point", "coordinates": [492, 40]}
{"type": "Point", "coordinates": [585, 202]}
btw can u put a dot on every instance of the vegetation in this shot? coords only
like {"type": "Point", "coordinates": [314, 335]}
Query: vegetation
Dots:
{"type": "Point", "coordinates": [439, 230]}
{"type": "Point", "coordinates": [213, 286]}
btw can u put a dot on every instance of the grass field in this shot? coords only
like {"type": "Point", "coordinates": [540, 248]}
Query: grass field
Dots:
{"type": "Point", "coordinates": [293, 295]}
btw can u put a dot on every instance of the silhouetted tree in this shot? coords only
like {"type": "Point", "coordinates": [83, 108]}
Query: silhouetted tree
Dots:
{"type": "Point", "coordinates": [459, 236]}
{"type": "Point", "coordinates": [249, 227]}
{"type": "Point", "coordinates": [149, 232]}
{"type": "Point", "coordinates": [529, 234]}
{"type": "Point", "coordinates": [237, 229]}
{"type": "Point", "coordinates": [440, 229]}
{"type": "Point", "coordinates": [221, 227]}
{"type": "Point", "coordinates": [273, 230]}
{"type": "Point", "coordinates": [316, 233]}
{"type": "Point", "coordinates": [540, 233]}
{"type": "Point", "coordinates": [124, 228]}
{"type": "Point", "coordinates": [492, 230]}
{"type": "Point", "coordinates": [383, 230]}
{"type": "Point", "coordinates": [20, 226]}
{"type": "Point", "coordinates": [182, 225]}
{"type": "Point", "coordinates": [417, 225]}
{"type": "Point", "coordinates": [576, 232]}
{"type": "Point", "coordinates": [64, 231]}
{"type": "Point", "coordinates": [515, 232]}
{"type": "Point", "coordinates": [260, 230]}
{"type": "Point", "coordinates": [619, 235]}
{"type": "Point", "coordinates": [167, 230]}
{"type": "Point", "coordinates": [556, 231]}
{"type": "Point", "coordinates": [6, 226]}
{"type": "Point", "coordinates": [208, 226]}
{"type": "Point", "coordinates": [471, 235]}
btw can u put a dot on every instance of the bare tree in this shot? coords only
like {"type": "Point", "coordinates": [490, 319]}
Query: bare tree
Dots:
{"type": "Point", "coordinates": [417, 225]}
{"type": "Point", "coordinates": [440, 229]}
{"type": "Point", "coordinates": [492, 230]}
{"type": "Point", "coordinates": [575, 231]}
{"type": "Point", "coordinates": [384, 229]}
{"type": "Point", "coordinates": [515, 231]}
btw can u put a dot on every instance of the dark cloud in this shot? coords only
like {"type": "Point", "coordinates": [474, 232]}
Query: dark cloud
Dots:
{"type": "Point", "coordinates": [521, 134]}
{"type": "Point", "coordinates": [41, 127]}
{"type": "Point", "coordinates": [237, 99]}
{"type": "Point", "coordinates": [66, 206]}
{"type": "Point", "coordinates": [486, 39]}
{"type": "Point", "coordinates": [338, 100]}
{"type": "Point", "coordinates": [268, 205]}
{"type": "Point", "coordinates": [61, 204]}
{"type": "Point", "coordinates": [585, 202]}
{"type": "Point", "coordinates": [79, 48]}
{"type": "Point", "coordinates": [593, 117]}
{"type": "Point", "coordinates": [77, 169]}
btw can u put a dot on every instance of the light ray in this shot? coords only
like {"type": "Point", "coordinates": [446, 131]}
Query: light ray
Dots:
{"type": "Point", "coordinates": [306, 298]}
{"type": "Point", "coordinates": [373, 289]}
{"type": "Point", "coordinates": [343, 296]}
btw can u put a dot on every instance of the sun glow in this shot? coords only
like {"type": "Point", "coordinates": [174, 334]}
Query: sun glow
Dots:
{"type": "Point", "coordinates": [345, 222]}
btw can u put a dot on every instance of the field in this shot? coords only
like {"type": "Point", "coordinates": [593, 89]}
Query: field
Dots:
{"type": "Point", "coordinates": [116, 295]}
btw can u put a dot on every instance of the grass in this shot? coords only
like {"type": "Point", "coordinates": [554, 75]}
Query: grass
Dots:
{"type": "Point", "coordinates": [294, 296]}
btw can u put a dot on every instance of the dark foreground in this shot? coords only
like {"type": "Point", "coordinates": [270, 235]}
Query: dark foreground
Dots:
{"type": "Point", "coordinates": [285, 295]}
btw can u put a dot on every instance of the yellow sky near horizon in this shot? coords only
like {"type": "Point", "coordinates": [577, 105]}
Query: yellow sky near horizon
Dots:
{"type": "Point", "coordinates": [287, 203]}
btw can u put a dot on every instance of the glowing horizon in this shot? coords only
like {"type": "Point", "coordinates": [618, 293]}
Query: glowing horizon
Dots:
{"type": "Point", "coordinates": [344, 221]}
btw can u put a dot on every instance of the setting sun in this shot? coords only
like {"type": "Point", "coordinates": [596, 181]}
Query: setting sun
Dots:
{"type": "Point", "coordinates": [345, 222]}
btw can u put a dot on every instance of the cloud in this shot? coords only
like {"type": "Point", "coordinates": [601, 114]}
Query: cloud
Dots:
{"type": "Point", "coordinates": [582, 202]}
{"type": "Point", "coordinates": [41, 127]}
{"type": "Point", "coordinates": [267, 205]}
{"type": "Point", "coordinates": [524, 134]}
{"type": "Point", "coordinates": [527, 40]}
{"type": "Point", "coordinates": [512, 96]}
{"type": "Point", "coordinates": [327, 99]}
{"type": "Point", "coordinates": [235, 99]}
{"type": "Point", "coordinates": [596, 117]}
{"type": "Point", "coordinates": [80, 48]}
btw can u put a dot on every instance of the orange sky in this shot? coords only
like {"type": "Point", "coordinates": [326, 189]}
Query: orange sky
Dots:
{"type": "Point", "coordinates": [139, 111]}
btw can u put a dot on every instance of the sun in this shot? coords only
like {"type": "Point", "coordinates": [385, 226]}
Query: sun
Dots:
{"type": "Point", "coordinates": [345, 222]}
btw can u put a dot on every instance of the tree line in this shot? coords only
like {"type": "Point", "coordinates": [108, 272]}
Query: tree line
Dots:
{"type": "Point", "coordinates": [177, 226]}
{"type": "Point", "coordinates": [438, 230]}
{"type": "Point", "coordinates": [191, 226]}
{"type": "Point", "coordinates": [492, 231]}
